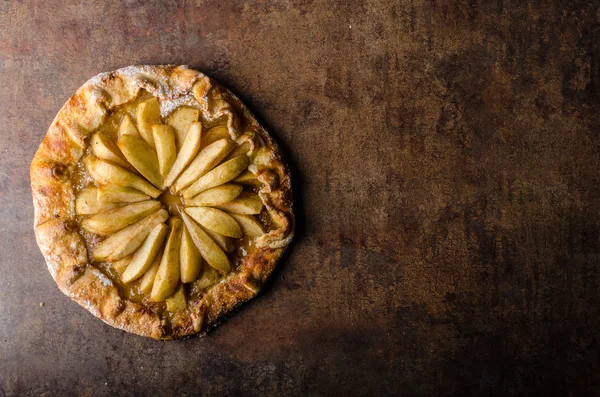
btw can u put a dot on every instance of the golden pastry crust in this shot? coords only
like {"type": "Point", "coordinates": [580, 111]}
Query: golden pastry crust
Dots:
{"type": "Point", "coordinates": [60, 237]}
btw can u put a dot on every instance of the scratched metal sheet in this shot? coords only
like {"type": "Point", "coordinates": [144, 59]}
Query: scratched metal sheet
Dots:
{"type": "Point", "coordinates": [446, 160]}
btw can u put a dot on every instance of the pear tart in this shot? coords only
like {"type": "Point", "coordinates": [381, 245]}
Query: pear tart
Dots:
{"type": "Point", "coordinates": [160, 202]}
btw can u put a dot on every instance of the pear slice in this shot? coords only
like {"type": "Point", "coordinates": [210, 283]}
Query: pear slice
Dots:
{"type": "Point", "coordinates": [103, 147]}
{"type": "Point", "coordinates": [246, 203]}
{"type": "Point", "coordinates": [209, 250]}
{"type": "Point", "coordinates": [167, 277]}
{"type": "Point", "coordinates": [215, 220]}
{"type": "Point", "coordinates": [148, 114]}
{"type": "Point", "coordinates": [180, 120]}
{"type": "Point", "coordinates": [147, 280]}
{"type": "Point", "coordinates": [105, 172]}
{"type": "Point", "coordinates": [131, 245]}
{"type": "Point", "coordinates": [189, 149]}
{"type": "Point", "coordinates": [248, 178]}
{"type": "Point", "coordinates": [164, 139]}
{"type": "Point", "coordinates": [218, 176]}
{"type": "Point", "coordinates": [177, 301]}
{"type": "Point", "coordinates": [127, 240]}
{"type": "Point", "coordinates": [127, 127]}
{"type": "Point", "coordinates": [226, 243]}
{"type": "Point", "coordinates": [90, 229]}
{"type": "Point", "coordinates": [215, 133]}
{"type": "Point", "coordinates": [142, 157]}
{"type": "Point", "coordinates": [250, 225]}
{"type": "Point", "coordinates": [118, 194]}
{"type": "Point", "coordinates": [209, 277]}
{"type": "Point", "coordinates": [122, 264]}
{"type": "Point", "coordinates": [116, 219]}
{"type": "Point", "coordinates": [208, 158]}
{"type": "Point", "coordinates": [216, 195]}
{"type": "Point", "coordinates": [87, 203]}
{"type": "Point", "coordinates": [143, 257]}
{"type": "Point", "coordinates": [244, 148]}
{"type": "Point", "coordinates": [189, 257]}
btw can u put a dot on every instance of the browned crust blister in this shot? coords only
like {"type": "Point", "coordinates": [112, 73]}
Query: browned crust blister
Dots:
{"type": "Point", "coordinates": [59, 235]}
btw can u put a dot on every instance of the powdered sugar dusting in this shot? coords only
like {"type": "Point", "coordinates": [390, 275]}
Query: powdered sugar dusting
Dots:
{"type": "Point", "coordinates": [91, 308]}
{"type": "Point", "coordinates": [52, 266]}
{"type": "Point", "coordinates": [105, 280]}
{"type": "Point", "coordinates": [96, 79]}
{"type": "Point", "coordinates": [145, 76]}
{"type": "Point", "coordinates": [168, 105]}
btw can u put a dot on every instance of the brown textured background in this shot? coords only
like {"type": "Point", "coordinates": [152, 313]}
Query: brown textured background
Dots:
{"type": "Point", "coordinates": [446, 160]}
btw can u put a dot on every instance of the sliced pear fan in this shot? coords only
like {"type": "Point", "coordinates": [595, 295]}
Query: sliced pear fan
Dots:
{"type": "Point", "coordinates": [216, 195]}
{"type": "Point", "coordinates": [189, 257]}
{"type": "Point", "coordinates": [209, 250]}
{"type": "Point", "coordinates": [147, 280]}
{"type": "Point", "coordinates": [167, 277]}
{"type": "Point", "coordinates": [249, 224]}
{"type": "Point", "coordinates": [105, 173]}
{"type": "Point", "coordinates": [208, 158]}
{"type": "Point", "coordinates": [118, 194]}
{"type": "Point", "coordinates": [180, 120]}
{"type": "Point", "coordinates": [215, 220]}
{"type": "Point", "coordinates": [148, 114]}
{"type": "Point", "coordinates": [116, 219]}
{"type": "Point", "coordinates": [127, 240]}
{"type": "Point", "coordinates": [142, 157]}
{"type": "Point", "coordinates": [221, 174]}
{"type": "Point", "coordinates": [246, 203]}
{"type": "Point", "coordinates": [143, 257]}
{"type": "Point", "coordinates": [104, 148]}
{"type": "Point", "coordinates": [164, 139]}
{"type": "Point", "coordinates": [207, 168]}
{"type": "Point", "coordinates": [190, 148]}
{"type": "Point", "coordinates": [87, 202]}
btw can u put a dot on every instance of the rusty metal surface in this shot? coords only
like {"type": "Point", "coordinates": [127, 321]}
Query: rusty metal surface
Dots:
{"type": "Point", "coordinates": [446, 158]}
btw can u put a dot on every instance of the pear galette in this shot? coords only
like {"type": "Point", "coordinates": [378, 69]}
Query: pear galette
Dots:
{"type": "Point", "coordinates": [160, 202]}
